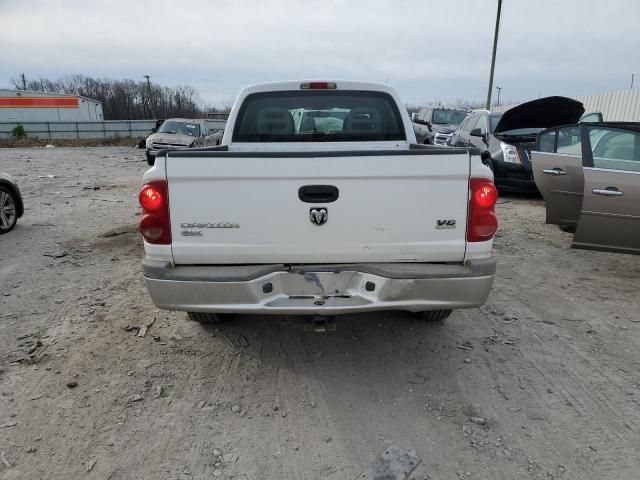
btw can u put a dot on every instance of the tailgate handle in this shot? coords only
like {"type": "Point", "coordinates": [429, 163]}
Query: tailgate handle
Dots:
{"type": "Point", "coordinates": [318, 193]}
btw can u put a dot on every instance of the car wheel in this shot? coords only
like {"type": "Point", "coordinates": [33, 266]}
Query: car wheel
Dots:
{"type": "Point", "coordinates": [151, 160]}
{"type": "Point", "coordinates": [8, 212]}
{"type": "Point", "coordinates": [434, 315]}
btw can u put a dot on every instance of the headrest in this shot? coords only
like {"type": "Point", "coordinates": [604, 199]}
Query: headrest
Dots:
{"type": "Point", "coordinates": [363, 120]}
{"type": "Point", "coordinates": [276, 121]}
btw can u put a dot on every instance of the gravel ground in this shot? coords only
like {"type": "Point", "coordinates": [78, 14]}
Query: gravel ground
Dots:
{"type": "Point", "coordinates": [550, 364]}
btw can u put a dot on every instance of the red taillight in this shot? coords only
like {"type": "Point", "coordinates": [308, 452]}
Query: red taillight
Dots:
{"type": "Point", "coordinates": [154, 225]}
{"type": "Point", "coordinates": [150, 198]}
{"type": "Point", "coordinates": [481, 222]}
{"type": "Point", "coordinates": [485, 195]}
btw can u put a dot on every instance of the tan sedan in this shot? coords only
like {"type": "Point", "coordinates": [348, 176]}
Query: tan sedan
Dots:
{"type": "Point", "coordinates": [589, 176]}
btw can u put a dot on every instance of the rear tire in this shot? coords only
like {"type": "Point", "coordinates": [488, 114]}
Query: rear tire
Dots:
{"type": "Point", "coordinates": [202, 317]}
{"type": "Point", "coordinates": [567, 228]}
{"type": "Point", "coordinates": [151, 160]}
{"type": "Point", "coordinates": [434, 315]}
{"type": "Point", "coordinates": [8, 210]}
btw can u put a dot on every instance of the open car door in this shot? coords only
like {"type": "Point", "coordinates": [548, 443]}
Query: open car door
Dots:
{"type": "Point", "coordinates": [610, 214]}
{"type": "Point", "coordinates": [557, 171]}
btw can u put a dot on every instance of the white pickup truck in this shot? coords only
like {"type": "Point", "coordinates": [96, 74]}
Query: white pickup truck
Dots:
{"type": "Point", "coordinates": [318, 201]}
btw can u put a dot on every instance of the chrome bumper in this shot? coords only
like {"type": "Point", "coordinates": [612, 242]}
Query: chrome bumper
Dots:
{"type": "Point", "coordinates": [319, 289]}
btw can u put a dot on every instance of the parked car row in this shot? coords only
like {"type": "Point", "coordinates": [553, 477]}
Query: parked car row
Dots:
{"type": "Point", "coordinates": [505, 139]}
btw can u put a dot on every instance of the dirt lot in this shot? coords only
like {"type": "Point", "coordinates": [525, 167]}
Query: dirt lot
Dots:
{"type": "Point", "coordinates": [550, 362]}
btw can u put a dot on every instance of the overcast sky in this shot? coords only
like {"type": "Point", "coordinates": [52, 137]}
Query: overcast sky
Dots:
{"type": "Point", "coordinates": [428, 49]}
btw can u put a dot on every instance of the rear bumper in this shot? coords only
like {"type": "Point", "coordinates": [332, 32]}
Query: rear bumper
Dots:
{"type": "Point", "coordinates": [319, 289]}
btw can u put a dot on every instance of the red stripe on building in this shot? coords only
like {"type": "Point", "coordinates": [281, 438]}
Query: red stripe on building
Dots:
{"type": "Point", "coordinates": [38, 102]}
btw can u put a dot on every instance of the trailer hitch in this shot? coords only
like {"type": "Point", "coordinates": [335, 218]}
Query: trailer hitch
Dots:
{"type": "Point", "coordinates": [320, 324]}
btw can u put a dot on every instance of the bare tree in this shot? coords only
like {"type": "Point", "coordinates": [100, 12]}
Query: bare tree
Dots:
{"type": "Point", "coordinates": [126, 99]}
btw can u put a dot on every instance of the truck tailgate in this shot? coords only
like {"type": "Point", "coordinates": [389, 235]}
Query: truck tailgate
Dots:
{"type": "Point", "coordinates": [244, 208]}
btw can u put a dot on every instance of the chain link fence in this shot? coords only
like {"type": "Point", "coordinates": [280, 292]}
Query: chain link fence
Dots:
{"type": "Point", "coordinates": [90, 130]}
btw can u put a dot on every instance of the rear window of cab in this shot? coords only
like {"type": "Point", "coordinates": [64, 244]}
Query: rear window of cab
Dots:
{"type": "Point", "coordinates": [318, 116]}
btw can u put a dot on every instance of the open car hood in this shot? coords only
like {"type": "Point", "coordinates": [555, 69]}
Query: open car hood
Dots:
{"type": "Point", "coordinates": [541, 113]}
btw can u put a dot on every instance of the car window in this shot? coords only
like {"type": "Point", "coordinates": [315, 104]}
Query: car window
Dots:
{"type": "Point", "coordinates": [569, 141]}
{"type": "Point", "coordinates": [464, 123]}
{"type": "Point", "coordinates": [493, 121]}
{"type": "Point", "coordinates": [470, 123]}
{"type": "Point", "coordinates": [481, 124]}
{"type": "Point", "coordinates": [615, 149]}
{"type": "Point", "coordinates": [452, 117]}
{"type": "Point", "coordinates": [547, 141]}
{"type": "Point", "coordinates": [592, 117]}
{"type": "Point", "coordinates": [181, 128]}
{"type": "Point", "coordinates": [327, 116]}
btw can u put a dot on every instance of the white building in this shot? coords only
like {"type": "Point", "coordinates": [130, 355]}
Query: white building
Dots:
{"type": "Point", "coordinates": [31, 106]}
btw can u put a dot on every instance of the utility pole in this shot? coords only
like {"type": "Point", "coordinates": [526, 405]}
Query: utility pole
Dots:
{"type": "Point", "coordinates": [632, 75]}
{"type": "Point", "coordinates": [493, 56]}
{"type": "Point", "coordinates": [498, 101]}
{"type": "Point", "coordinates": [149, 95]}
{"type": "Point", "coordinates": [24, 81]}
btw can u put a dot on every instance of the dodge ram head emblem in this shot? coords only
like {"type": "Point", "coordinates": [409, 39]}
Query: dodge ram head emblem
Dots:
{"type": "Point", "coordinates": [318, 216]}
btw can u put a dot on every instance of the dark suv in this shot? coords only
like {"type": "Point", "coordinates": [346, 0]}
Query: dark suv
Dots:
{"type": "Point", "coordinates": [506, 139]}
{"type": "Point", "coordinates": [435, 125]}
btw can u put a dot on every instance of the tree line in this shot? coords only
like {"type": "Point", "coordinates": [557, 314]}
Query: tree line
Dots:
{"type": "Point", "coordinates": [125, 99]}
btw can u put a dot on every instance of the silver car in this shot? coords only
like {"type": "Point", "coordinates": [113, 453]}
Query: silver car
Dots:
{"type": "Point", "coordinates": [177, 133]}
{"type": "Point", "coordinates": [589, 176]}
